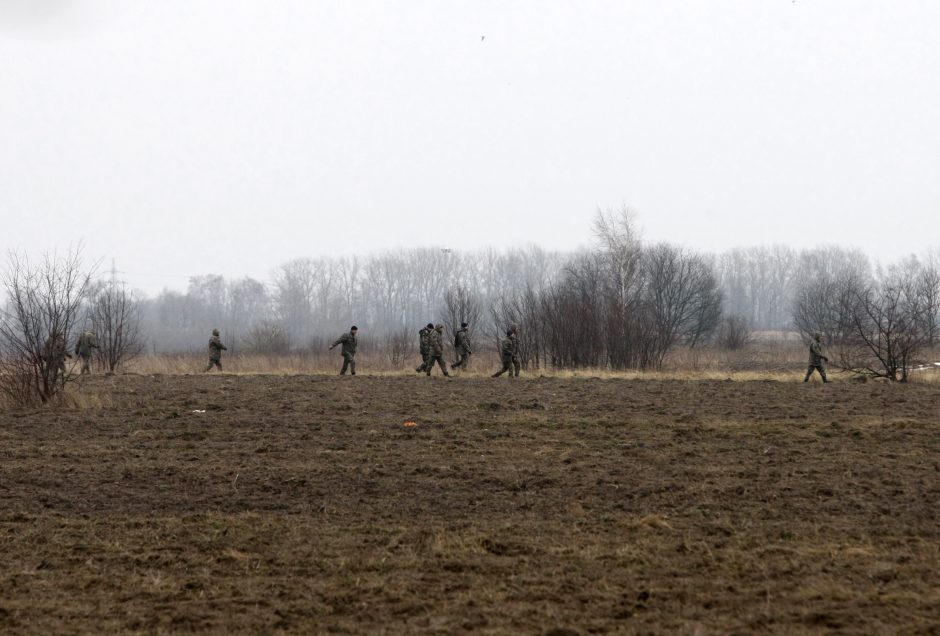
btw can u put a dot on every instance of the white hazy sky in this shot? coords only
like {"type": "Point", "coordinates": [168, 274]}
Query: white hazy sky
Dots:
{"type": "Point", "coordinates": [226, 136]}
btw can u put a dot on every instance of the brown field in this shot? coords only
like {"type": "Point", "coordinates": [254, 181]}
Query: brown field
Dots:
{"type": "Point", "coordinates": [532, 506]}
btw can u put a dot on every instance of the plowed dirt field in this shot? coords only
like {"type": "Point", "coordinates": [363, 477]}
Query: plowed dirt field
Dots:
{"type": "Point", "coordinates": [232, 504]}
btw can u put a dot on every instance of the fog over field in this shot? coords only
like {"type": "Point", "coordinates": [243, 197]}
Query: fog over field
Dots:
{"type": "Point", "coordinates": [184, 138]}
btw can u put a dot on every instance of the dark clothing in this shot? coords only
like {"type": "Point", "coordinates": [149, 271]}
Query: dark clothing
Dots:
{"type": "Point", "coordinates": [462, 346]}
{"type": "Point", "coordinates": [816, 361]}
{"type": "Point", "coordinates": [424, 346]}
{"type": "Point", "coordinates": [55, 353]}
{"type": "Point", "coordinates": [816, 357]}
{"type": "Point", "coordinates": [215, 353]}
{"type": "Point", "coordinates": [349, 362]}
{"type": "Point", "coordinates": [507, 349]}
{"type": "Point", "coordinates": [436, 351]}
{"type": "Point", "coordinates": [348, 340]}
{"type": "Point", "coordinates": [816, 367]}
{"type": "Point", "coordinates": [86, 342]}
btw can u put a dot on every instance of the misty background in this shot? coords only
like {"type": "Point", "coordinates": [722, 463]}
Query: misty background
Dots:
{"type": "Point", "coordinates": [313, 164]}
{"type": "Point", "coordinates": [182, 138]}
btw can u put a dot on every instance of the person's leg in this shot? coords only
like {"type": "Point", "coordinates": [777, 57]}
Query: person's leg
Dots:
{"type": "Point", "coordinates": [507, 366]}
{"type": "Point", "coordinates": [352, 365]}
{"type": "Point", "coordinates": [345, 366]}
{"type": "Point", "coordinates": [822, 373]}
{"type": "Point", "coordinates": [809, 372]}
{"type": "Point", "coordinates": [440, 361]}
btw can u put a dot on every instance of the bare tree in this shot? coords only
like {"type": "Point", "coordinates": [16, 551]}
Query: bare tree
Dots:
{"type": "Point", "coordinates": [734, 333]}
{"type": "Point", "coordinates": [115, 317]}
{"type": "Point", "coordinates": [460, 305]}
{"type": "Point", "coordinates": [888, 331]}
{"type": "Point", "coordinates": [44, 306]}
{"type": "Point", "coordinates": [399, 345]}
{"type": "Point", "coordinates": [268, 337]}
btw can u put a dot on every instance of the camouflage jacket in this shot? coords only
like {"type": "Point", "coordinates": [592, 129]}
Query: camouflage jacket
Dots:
{"type": "Point", "coordinates": [515, 345]}
{"type": "Point", "coordinates": [216, 348]}
{"type": "Point", "coordinates": [86, 342]}
{"type": "Point", "coordinates": [348, 340]}
{"type": "Point", "coordinates": [508, 347]}
{"type": "Point", "coordinates": [54, 350]}
{"type": "Point", "coordinates": [816, 356]}
{"type": "Point", "coordinates": [424, 340]}
{"type": "Point", "coordinates": [462, 341]}
{"type": "Point", "coordinates": [436, 342]}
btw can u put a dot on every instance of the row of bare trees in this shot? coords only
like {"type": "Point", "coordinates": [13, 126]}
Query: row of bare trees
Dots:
{"type": "Point", "coordinates": [880, 323]}
{"type": "Point", "coordinates": [49, 303]}
{"type": "Point", "coordinates": [623, 305]}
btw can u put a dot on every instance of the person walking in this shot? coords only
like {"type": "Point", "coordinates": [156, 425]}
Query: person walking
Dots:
{"type": "Point", "coordinates": [462, 347]}
{"type": "Point", "coordinates": [816, 359]}
{"type": "Point", "coordinates": [348, 340]}
{"type": "Point", "coordinates": [215, 351]}
{"type": "Point", "coordinates": [436, 350]}
{"type": "Point", "coordinates": [424, 346]}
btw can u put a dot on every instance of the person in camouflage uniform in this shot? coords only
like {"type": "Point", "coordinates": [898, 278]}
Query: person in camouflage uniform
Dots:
{"type": "Point", "coordinates": [515, 351]}
{"type": "Point", "coordinates": [436, 350]}
{"type": "Point", "coordinates": [86, 342]}
{"type": "Point", "coordinates": [462, 347]}
{"type": "Point", "coordinates": [424, 345]}
{"type": "Point", "coordinates": [215, 351]}
{"type": "Point", "coordinates": [348, 340]}
{"type": "Point", "coordinates": [507, 348]}
{"type": "Point", "coordinates": [816, 358]}
{"type": "Point", "coordinates": [54, 352]}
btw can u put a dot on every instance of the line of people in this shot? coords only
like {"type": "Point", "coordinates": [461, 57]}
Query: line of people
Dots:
{"type": "Point", "coordinates": [430, 345]}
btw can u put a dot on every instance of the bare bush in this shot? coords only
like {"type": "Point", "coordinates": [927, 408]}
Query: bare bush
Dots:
{"type": "Point", "coordinates": [43, 307]}
{"type": "Point", "coordinates": [400, 347]}
{"type": "Point", "coordinates": [734, 333]}
{"type": "Point", "coordinates": [115, 317]}
{"type": "Point", "coordinates": [878, 327]}
{"type": "Point", "coordinates": [268, 338]}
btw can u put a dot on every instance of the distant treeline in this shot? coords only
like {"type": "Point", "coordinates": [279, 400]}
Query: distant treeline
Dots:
{"type": "Point", "coordinates": [622, 304]}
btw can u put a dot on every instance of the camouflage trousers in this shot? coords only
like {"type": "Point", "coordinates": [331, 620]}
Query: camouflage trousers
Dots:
{"type": "Point", "coordinates": [214, 362]}
{"type": "Point", "coordinates": [463, 360]}
{"type": "Point", "coordinates": [349, 363]}
{"type": "Point", "coordinates": [509, 364]}
{"type": "Point", "coordinates": [424, 362]}
{"type": "Point", "coordinates": [816, 367]}
{"type": "Point", "coordinates": [86, 364]}
{"type": "Point", "coordinates": [429, 365]}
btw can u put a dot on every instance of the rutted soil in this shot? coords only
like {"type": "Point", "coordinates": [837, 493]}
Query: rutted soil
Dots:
{"type": "Point", "coordinates": [540, 505]}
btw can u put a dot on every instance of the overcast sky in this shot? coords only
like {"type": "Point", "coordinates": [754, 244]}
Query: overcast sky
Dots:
{"type": "Point", "coordinates": [219, 136]}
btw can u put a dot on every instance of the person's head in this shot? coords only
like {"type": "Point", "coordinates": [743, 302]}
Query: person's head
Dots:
{"type": "Point", "coordinates": [429, 326]}
{"type": "Point", "coordinates": [439, 327]}
{"type": "Point", "coordinates": [464, 325]}
{"type": "Point", "coordinates": [817, 336]}
{"type": "Point", "coordinates": [353, 329]}
{"type": "Point", "coordinates": [215, 332]}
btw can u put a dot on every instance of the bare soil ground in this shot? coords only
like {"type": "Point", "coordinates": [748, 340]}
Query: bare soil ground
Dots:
{"type": "Point", "coordinates": [532, 506]}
